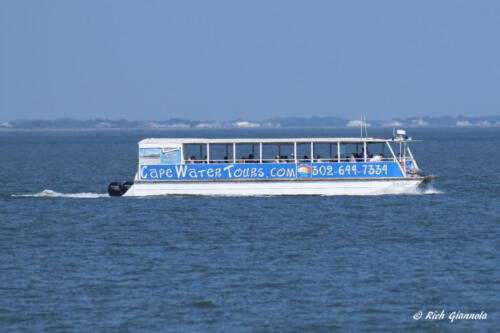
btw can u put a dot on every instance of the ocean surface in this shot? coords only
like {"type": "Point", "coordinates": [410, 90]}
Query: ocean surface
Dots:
{"type": "Point", "coordinates": [74, 259]}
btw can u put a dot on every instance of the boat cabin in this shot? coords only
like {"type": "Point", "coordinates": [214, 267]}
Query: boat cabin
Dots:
{"type": "Point", "coordinates": [311, 150]}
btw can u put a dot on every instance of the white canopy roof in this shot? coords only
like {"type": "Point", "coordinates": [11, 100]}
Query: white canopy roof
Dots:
{"type": "Point", "coordinates": [170, 141]}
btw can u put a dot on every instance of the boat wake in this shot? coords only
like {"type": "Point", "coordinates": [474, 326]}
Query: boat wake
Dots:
{"type": "Point", "coordinates": [429, 189]}
{"type": "Point", "coordinates": [89, 195]}
{"type": "Point", "coordinates": [54, 194]}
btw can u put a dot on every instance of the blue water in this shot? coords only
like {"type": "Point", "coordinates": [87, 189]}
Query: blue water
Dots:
{"type": "Point", "coordinates": [73, 259]}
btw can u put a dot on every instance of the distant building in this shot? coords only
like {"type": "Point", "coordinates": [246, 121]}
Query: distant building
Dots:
{"type": "Point", "coordinates": [392, 124]}
{"type": "Point", "coordinates": [463, 123]}
{"type": "Point", "coordinates": [419, 122]}
{"type": "Point", "coordinates": [156, 125]}
{"type": "Point", "coordinates": [270, 124]}
{"type": "Point", "coordinates": [246, 124]}
{"type": "Point", "coordinates": [208, 125]}
{"type": "Point", "coordinates": [180, 125]}
{"type": "Point", "coordinates": [483, 123]}
{"type": "Point", "coordinates": [162, 125]}
{"type": "Point", "coordinates": [103, 125]}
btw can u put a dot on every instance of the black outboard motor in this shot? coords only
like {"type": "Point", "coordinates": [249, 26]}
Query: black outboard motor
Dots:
{"type": "Point", "coordinates": [115, 189]}
{"type": "Point", "coordinates": [126, 186]}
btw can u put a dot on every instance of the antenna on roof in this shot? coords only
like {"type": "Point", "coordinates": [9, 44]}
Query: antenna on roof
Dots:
{"type": "Point", "coordinates": [363, 124]}
{"type": "Point", "coordinates": [366, 127]}
{"type": "Point", "coordinates": [361, 127]}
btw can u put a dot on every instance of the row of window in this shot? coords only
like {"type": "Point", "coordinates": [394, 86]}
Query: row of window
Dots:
{"type": "Point", "coordinates": [281, 153]}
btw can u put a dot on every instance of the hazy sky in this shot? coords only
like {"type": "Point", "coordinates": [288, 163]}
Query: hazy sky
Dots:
{"type": "Point", "coordinates": [252, 60]}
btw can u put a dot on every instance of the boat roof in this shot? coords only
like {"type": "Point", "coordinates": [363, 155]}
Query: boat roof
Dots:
{"type": "Point", "coordinates": [165, 141]}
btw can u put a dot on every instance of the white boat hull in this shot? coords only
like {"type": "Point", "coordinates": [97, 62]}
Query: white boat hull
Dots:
{"type": "Point", "coordinates": [256, 188]}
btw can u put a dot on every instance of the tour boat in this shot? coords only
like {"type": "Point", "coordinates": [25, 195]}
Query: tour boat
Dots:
{"type": "Point", "coordinates": [288, 166]}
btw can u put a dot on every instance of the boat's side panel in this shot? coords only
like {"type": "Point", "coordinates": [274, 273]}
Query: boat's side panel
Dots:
{"type": "Point", "coordinates": [242, 188]}
{"type": "Point", "coordinates": [269, 171]}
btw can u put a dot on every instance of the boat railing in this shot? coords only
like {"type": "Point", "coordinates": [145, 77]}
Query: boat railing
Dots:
{"type": "Point", "coordinates": [288, 160]}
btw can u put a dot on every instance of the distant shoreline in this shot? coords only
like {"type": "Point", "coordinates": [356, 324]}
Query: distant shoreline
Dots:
{"type": "Point", "coordinates": [274, 123]}
{"type": "Point", "coordinates": [228, 128]}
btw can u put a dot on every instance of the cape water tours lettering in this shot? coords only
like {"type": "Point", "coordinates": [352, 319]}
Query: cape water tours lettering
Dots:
{"type": "Point", "coordinates": [268, 171]}
{"type": "Point", "coordinates": [207, 172]}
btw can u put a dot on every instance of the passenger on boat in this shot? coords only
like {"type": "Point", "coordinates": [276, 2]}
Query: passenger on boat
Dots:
{"type": "Point", "coordinates": [305, 158]}
{"type": "Point", "coordinates": [277, 159]}
{"type": "Point", "coordinates": [293, 160]}
{"type": "Point", "coordinates": [250, 158]}
{"type": "Point", "coordinates": [319, 159]}
{"type": "Point", "coordinates": [226, 159]}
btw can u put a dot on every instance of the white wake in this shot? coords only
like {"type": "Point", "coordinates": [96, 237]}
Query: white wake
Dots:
{"type": "Point", "coordinates": [89, 195]}
{"type": "Point", "coordinates": [54, 194]}
{"type": "Point", "coordinates": [429, 189]}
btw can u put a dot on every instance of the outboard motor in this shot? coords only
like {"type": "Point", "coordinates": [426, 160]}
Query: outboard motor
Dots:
{"type": "Point", "coordinates": [115, 189]}
{"type": "Point", "coordinates": [126, 186]}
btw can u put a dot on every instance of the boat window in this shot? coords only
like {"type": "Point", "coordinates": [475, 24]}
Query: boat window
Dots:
{"type": "Point", "coordinates": [221, 153]}
{"type": "Point", "coordinates": [304, 152]}
{"type": "Point", "coordinates": [195, 153]}
{"type": "Point", "coordinates": [377, 152]}
{"type": "Point", "coordinates": [247, 153]}
{"type": "Point", "coordinates": [351, 152]}
{"type": "Point", "coordinates": [325, 152]}
{"type": "Point", "coordinates": [277, 152]}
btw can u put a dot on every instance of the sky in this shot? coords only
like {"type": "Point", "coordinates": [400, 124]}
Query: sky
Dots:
{"type": "Point", "coordinates": [248, 60]}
